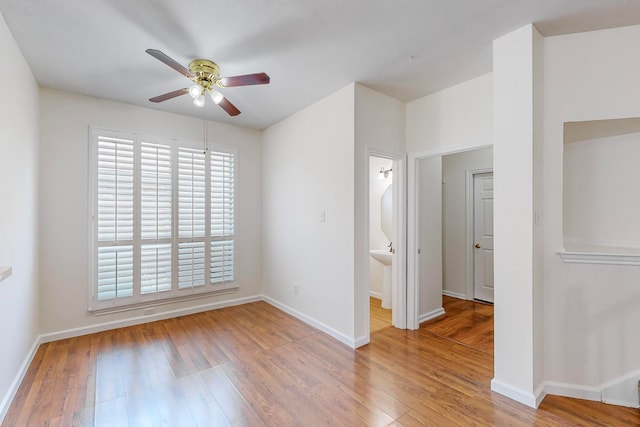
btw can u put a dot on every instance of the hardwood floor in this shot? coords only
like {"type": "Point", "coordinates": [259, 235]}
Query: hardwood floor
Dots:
{"type": "Point", "coordinates": [466, 322]}
{"type": "Point", "coordinates": [253, 365]}
{"type": "Point", "coordinates": [380, 318]}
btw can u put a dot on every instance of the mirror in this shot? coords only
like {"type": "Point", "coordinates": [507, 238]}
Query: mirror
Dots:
{"type": "Point", "coordinates": [386, 216]}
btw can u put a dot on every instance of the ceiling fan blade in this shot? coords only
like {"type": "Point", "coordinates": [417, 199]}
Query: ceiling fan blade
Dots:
{"type": "Point", "coordinates": [246, 80]}
{"type": "Point", "coordinates": [171, 63]}
{"type": "Point", "coordinates": [169, 95]}
{"type": "Point", "coordinates": [227, 106]}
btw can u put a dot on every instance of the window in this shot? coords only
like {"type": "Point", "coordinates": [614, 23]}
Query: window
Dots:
{"type": "Point", "coordinates": [162, 220]}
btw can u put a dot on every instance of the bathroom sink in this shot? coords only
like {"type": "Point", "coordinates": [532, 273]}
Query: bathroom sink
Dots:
{"type": "Point", "coordinates": [381, 255]}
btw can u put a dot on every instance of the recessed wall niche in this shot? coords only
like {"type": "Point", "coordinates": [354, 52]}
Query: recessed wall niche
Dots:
{"type": "Point", "coordinates": [601, 186]}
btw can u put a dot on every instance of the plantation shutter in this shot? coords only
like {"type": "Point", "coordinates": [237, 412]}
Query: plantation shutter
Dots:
{"type": "Point", "coordinates": [115, 184]}
{"type": "Point", "coordinates": [191, 217]}
{"type": "Point", "coordinates": [222, 217]}
{"type": "Point", "coordinates": [163, 220]}
{"type": "Point", "coordinates": [155, 217]}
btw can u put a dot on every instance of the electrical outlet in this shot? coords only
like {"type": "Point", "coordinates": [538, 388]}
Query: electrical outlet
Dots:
{"type": "Point", "coordinates": [295, 289]}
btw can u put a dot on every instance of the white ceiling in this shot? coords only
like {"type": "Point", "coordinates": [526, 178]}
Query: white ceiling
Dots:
{"type": "Point", "coordinates": [310, 48]}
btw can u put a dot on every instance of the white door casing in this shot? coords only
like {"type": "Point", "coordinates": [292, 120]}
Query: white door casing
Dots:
{"type": "Point", "coordinates": [483, 236]}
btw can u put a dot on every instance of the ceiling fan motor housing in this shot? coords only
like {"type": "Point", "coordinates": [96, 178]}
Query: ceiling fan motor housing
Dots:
{"type": "Point", "coordinates": [207, 72]}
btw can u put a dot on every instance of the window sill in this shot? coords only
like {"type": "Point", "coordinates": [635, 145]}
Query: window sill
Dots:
{"type": "Point", "coordinates": [597, 254]}
{"type": "Point", "coordinates": [97, 311]}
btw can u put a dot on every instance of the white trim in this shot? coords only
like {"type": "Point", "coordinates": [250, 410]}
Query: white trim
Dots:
{"type": "Point", "coordinates": [469, 229]}
{"type": "Point", "coordinates": [622, 391]}
{"type": "Point", "coordinates": [413, 303]}
{"type": "Point", "coordinates": [316, 324]}
{"type": "Point", "coordinates": [524, 397]}
{"type": "Point", "coordinates": [620, 403]}
{"type": "Point", "coordinates": [376, 295]}
{"type": "Point", "coordinates": [455, 295]}
{"type": "Point", "coordinates": [161, 302]}
{"type": "Point", "coordinates": [540, 394]}
{"type": "Point", "coordinates": [573, 391]}
{"type": "Point", "coordinates": [431, 315]}
{"type": "Point", "coordinates": [575, 257]}
{"type": "Point", "coordinates": [363, 340]}
{"type": "Point", "coordinates": [605, 393]}
{"type": "Point", "coordinates": [15, 384]}
{"type": "Point", "coordinates": [413, 283]}
{"type": "Point", "coordinates": [599, 251]}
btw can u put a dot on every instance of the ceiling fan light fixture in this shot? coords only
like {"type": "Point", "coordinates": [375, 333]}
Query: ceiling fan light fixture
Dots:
{"type": "Point", "coordinates": [204, 74]}
{"type": "Point", "coordinates": [216, 96]}
{"type": "Point", "coordinates": [199, 101]}
{"type": "Point", "coordinates": [195, 91]}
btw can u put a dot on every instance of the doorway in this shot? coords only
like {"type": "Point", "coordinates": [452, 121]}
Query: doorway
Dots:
{"type": "Point", "coordinates": [398, 237]}
{"type": "Point", "coordinates": [441, 241]}
{"type": "Point", "coordinates": [382, 242]}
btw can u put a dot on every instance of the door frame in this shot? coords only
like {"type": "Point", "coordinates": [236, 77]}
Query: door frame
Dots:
{"type": "Point", "coordinates": [470, 229]}
{"type": "Point", "coordinates": [413, 263]}
{"type": "Point", "coordinates": [399, 292]}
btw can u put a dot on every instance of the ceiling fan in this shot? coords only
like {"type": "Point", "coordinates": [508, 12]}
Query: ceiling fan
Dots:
{"type": "Point", "coordinates": [206, 75]}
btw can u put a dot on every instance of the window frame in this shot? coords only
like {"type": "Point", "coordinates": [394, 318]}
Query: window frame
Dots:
{"type": "Point", "coordinates": [138, 299]}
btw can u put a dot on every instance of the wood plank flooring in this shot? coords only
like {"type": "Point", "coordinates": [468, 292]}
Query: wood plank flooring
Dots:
{"type": "Point", "coordinates": [253, 365]}
{"type": "Point", "coordinates": [380, 318]}
{"type": "Point", "coordinates": [466, 322]}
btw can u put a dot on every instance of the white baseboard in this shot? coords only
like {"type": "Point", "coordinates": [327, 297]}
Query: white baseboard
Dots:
{"type": "Point", "coordinates": [622, 391]}
{"type": "Point", "coordinates": [540, 394]}
{"type": "Point", "coordinates": [454, 294]}
{"type": "Point", "coordinates": [13, 389]}
{"type": "Point", "coordinates": [313, 322]}
{"type": "Point", "coordinates": [431, 315]}
{"type": "Point", "coordinates": [363, 340]}
{"type": "Point", "coordinates": [138, 320]}
{"type": "Point", "coordinates": [572, 390]}
{"type": "Point", "coordinates": [374, 294]}
{"type": "Point", "coordinates": [524, 397]}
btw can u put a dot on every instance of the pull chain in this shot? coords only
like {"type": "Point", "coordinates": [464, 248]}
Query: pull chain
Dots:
{"type": "Point", "coordinates": [205, 131]}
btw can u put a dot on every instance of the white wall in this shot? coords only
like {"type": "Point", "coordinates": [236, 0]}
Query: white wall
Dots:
{"type": "Point", "coordinates": [591, 311]}
{"type": "Point", "coordinates": [377, 238]}
{"type": "Point", "coordinates": [459, 116]}
{"type": "Point", "coordinates": [454, 216]}
{"type": "Point", "coordinates": [516, 102]}
{"type": "Point", "coordinates": [18, 213]}
{"type": "Point", "coordinates": [379, 127]}
{"type": "Point", "coordinates": [600, 207]}
{"type": "Point", "coordinates": [64, 180]}
{"type": "Point", "coordinates": [308, 168]}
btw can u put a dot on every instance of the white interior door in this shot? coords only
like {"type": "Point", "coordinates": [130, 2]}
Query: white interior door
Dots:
{"type": "Point", "coordinates": [483, 236]}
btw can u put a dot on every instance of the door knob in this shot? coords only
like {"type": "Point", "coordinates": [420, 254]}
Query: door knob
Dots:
{"type": "Point", "coordinates": [478, 246]}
